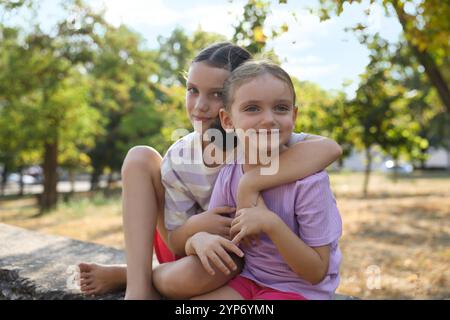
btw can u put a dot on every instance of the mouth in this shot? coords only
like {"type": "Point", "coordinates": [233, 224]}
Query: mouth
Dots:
{"type": "Point", "coordinates": [201, 119]}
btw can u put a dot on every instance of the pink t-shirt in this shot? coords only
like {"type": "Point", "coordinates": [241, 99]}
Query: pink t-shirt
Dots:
{"type": "Point", "coordinates": [309, 209]}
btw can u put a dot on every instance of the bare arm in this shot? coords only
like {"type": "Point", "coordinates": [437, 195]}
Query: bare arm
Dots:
{"type": "Point", "coordinates": [180, 235]}
{"type": "Point", "coordinates": [297, 162]}
{"type": "Point", "coordinates": [213, 221]}
{"type": "Point", "coordinates": [310, 263]}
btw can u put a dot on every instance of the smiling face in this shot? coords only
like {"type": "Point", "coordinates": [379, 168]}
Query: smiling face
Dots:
{"type": "Point", "coordinates": [263, 102]}
{"type": "Point", "coordinates": [204, 94]}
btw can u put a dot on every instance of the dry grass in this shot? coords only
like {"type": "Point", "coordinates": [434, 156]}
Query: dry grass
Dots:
{"type": "Point", "coordinates": [395, 244]}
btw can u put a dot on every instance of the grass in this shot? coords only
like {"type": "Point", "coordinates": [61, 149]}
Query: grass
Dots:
{"type": "Point", "coordinates": [395, 243]}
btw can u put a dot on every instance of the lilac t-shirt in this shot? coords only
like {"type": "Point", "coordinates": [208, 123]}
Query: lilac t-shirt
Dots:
{"type": "Point", "coordinates": [309, 209]}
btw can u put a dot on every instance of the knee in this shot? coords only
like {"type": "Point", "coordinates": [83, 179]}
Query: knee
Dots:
{"type": "Point", "coordinates": [166, 283]}
{"type": "Point", "coordinates": [181, 279]}
{"type": "Point", "coordinates": [142, 158]}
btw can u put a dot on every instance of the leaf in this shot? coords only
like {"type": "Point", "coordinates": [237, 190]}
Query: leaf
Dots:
{"type": "Point", "coordinates": [258, 34]}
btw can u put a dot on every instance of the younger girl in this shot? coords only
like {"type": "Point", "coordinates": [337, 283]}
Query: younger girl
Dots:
{"type": "Point", "coordinates": [297, 256]}
{"type": "Point", "coordinates": [156, 189]}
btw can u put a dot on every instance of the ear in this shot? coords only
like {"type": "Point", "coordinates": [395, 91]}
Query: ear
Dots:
{"type": "Point", "coordinates": [225, 120]}
{"type": "Point", "coordinates": [294, 114]}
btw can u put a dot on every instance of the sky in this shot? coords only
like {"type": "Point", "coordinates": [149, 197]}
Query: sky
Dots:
{"type": "Point", "coordinates": [321, 52]}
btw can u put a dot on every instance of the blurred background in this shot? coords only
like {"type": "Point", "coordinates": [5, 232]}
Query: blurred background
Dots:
{"type": "Point", "coordinates": [81, 82]}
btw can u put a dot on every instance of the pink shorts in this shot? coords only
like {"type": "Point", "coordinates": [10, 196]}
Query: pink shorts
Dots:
{"type": "Point", "coordinates": [163, 253]}
{"type": "Point", "coordinates": [250, 290]}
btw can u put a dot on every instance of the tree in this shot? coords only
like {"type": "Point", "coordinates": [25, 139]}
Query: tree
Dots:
{"type": "Point", "coordinates": [382, 114]}
{"type": "Point", "coordinates": [251, 31]}
{"type": "Point", "coordinates": [426, 28]}
{"type": "Point", "coordinates": [177, 51]}
{"type": "Point", "coordinates": [325, 113]}
{"type": "Point", "coordinates": [421, 101]}
{"type": "Point", "coordinates": [123, 92]}
{"type": "Point", "coordinates": [44, 72]}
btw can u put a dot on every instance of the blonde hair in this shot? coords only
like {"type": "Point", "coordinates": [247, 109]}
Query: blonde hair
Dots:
{"type": "Point", "coordinates": [250, 70]}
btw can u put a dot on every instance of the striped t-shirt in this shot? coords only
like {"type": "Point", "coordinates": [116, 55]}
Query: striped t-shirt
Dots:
{"type": "Point", "coordinates": [188, 181]}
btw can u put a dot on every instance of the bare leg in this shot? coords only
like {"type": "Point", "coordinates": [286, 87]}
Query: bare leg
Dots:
{"type": "Point", "coordinates": [223, 293]}
{"type": "Point", "coordinates": [141, 171]}
{"type": "Point", "coordinates": [143, 201]}
{"type": "Point", "coordinates": [186, 278]}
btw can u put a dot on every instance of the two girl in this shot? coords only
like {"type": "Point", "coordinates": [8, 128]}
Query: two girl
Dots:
{"type": "Point", "coordinates": [298, 223]}
{"type": "Point", "coordinates": [173, 196]}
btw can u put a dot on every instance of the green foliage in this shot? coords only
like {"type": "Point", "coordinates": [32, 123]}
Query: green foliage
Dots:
{"type": "Point", "coordinates": [426, 29]}
{"type": "Point", "coordinates": [122, 91]}
{"type": "Point", "coordinates": [177, 51]}
{"type": "Point", "coordinates": [94, 90]}
{"type": "Point", "coordinates": [250, 31]}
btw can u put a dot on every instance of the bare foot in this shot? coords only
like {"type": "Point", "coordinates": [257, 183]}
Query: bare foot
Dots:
{"type": "Point", "coordinates": [98, 279]}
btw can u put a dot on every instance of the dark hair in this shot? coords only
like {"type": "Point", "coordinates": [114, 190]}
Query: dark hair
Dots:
{"type": "Point", "coordinates": [228, 56]}
{"type": "Point", "coordinates": [223, 55]}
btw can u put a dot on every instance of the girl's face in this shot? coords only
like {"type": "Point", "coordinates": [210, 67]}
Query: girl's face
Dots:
{"type": "Point", "coordinates": [204, 94]}
{"type": "Point", "coordinates": [264, 102]}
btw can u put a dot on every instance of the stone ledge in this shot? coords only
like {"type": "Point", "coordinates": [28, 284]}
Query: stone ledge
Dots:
{"type": "Point", "coordinates": [34, 266]}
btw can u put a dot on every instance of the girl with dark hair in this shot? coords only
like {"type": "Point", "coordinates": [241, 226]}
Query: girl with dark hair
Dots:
{"type": "Point", "coordinates": [165, 200]}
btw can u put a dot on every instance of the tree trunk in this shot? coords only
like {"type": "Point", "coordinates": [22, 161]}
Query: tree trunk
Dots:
{"type": "Point", "coordinates": [95, 178]}
{"type": "Point", "coordinates": [425, 59]}
{"type": "Point", "coordinates": [50, 196]}
{"type": "Point", "coordinates": [340, 163]}
{"type": "Point", "coordinates": [367, 171]}
{"type": "Point", "coordinates": [395, 173]}
{"type": "Point", "coordinates": [21, 184]}
{"type": "Point", "coordinates": [422, 164]}
{"type": "Point", "coordinates": [72, 181]}
{"type": "Point", "coordinates": [4, 177]}
{"type": "Point", "coordinates": [110, 180]}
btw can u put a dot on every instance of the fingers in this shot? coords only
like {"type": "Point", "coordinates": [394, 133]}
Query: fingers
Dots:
{"type": "Point", "coordinates": [218, 263]}
{"type": "Point", "coordinates": [227, 259]}
{"type": "Point", "coordinates": [239, 212]}
{"type": "Point", "coordinates": [240, 235]}
{"type": "Point", "coordinates": [235, 221]}
{"type": "Point", "coordinates": [235, 229]}
{"type": "Point", "coordinates": [226, 220]}
{"type": "Point", "coordinates": [206, 265]}
{"type": "Point", "coordinates": [225, 232]}
{"type": "Point", "coordinates": [230, 246]}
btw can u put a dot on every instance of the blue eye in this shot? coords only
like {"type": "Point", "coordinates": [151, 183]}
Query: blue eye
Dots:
{"type": "Point", "coordinates": [192, 90]}
{"type": "Point", "coordinates": [251, 108]}
{"type": "Point", "coordinates": [217, 94]}
{"type": "Point", "coordinates": [282, 108]}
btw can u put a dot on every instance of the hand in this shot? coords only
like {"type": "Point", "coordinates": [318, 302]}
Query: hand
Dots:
{"type": "Point", "coordinates": [251, 222]}
{"type": "Point", "coordinates": [210, 247]}
{"type": "Point", "coordinates": [215, 221]}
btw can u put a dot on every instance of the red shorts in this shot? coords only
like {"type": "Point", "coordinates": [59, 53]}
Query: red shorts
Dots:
{"type": "Point", "coordinates": [162, 251]}
{"type": "Point", "coordinates": [250, 290]}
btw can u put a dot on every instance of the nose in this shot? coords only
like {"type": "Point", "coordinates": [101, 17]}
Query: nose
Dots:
{"type": "Point", "coordinates": [268, 120]}
{"type": "Point", "coordinates": [202, 104]}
